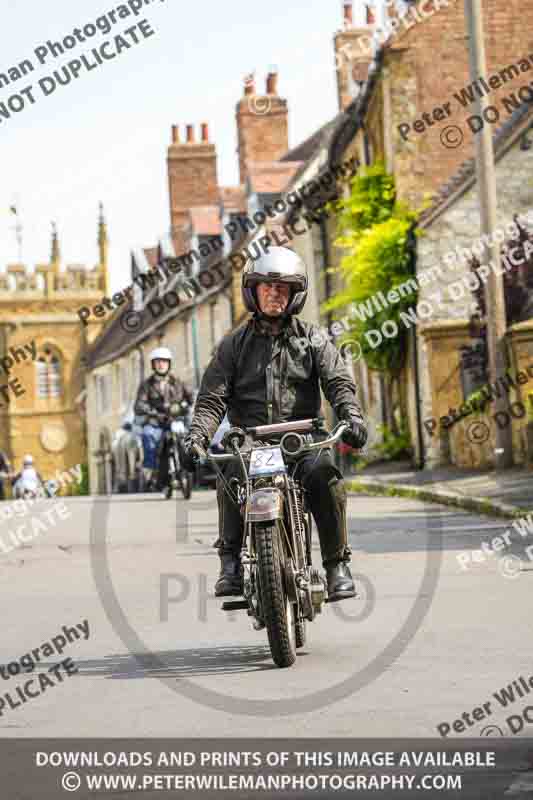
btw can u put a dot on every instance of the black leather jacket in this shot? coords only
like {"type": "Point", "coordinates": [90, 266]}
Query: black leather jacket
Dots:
{"type": "Point", "coordinates": [154, 395]}
{"type": "Point", "coordinates": [261, 378]}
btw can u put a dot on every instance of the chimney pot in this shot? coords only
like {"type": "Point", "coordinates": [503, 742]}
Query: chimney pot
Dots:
{"type": "Point", "coordinates": [190, 133]}
{"type": "Point", "coordinates": [348, 14]}
{"type": "Point", "coordinates": [272, 83]}
{"type": "Point", "coordinates": [175, 134]}
{"type": "Point", "coordinates": [249, 84]}
{"type": "Point", "coordinates": [205, 132]}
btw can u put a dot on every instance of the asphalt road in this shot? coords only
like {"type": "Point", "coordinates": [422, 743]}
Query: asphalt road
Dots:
{"type": "Point", "coordinates": [431, 637]}
{"type": "Point", "coordinates": [428, 639]}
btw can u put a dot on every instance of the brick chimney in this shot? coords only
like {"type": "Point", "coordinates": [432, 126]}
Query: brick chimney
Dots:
{"type": "Point", "coordinates": [353, 53]}
{"type": "Point", "coordinates": [262, 124]}
{"type": "Point", "coordinates": [192, 174]}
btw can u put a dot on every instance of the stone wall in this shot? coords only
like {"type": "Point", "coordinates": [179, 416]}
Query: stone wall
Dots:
{"type": "Point", "coordinates": [459, 226]}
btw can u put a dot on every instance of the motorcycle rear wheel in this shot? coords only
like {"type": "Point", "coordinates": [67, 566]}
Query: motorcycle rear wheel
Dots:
{"type": "Point", "coordinates": [278, 610]}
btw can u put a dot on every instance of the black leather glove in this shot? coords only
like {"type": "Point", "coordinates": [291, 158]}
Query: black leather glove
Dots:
{"type": "Point", "coordinates": [356, 435]}
{"type": "Point", "coordinates": [190, 457]}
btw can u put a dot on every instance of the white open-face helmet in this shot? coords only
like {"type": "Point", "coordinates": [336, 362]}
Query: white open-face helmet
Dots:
{"type": "Point", "coordinates": [27, 461]}
{"type": "Point", "coordinates": [161, 354]}
{"type": "Point", "coordinates": [281, 265]}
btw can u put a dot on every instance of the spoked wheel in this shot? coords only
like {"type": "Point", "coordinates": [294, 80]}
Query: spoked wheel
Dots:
{"type": "Point", "coordinates": [278, 610]}
{"type": "Point", "coordinates": [300, 633]}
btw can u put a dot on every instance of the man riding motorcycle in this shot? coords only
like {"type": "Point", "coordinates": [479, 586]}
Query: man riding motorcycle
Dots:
{"type": "Point", "coordinates": [155, 396]}
{"type": "Point", "coordinates": [270, 370]}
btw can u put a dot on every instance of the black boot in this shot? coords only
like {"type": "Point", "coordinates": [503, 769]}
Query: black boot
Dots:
{"type": "Point", "coordinates": [230, 581]}
{"type": "Point", "coordinates": [340, 582]}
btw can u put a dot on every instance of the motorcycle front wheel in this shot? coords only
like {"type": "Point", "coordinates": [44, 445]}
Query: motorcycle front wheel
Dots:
{"type": "Point", "coordinates": [186, 484]}
{"type": "Point", "coordinates": [278, 611]}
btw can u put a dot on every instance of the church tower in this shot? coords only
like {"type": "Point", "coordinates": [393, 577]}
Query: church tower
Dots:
{"type": "Point", "coordinates": [42, 344]}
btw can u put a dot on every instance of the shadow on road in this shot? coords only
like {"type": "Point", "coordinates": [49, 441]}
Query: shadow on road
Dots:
{"type": "Point", "coordinates": [186, 663]}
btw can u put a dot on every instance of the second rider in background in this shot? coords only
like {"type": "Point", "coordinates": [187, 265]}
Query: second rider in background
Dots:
{"type": "Point", "coordinates": [155, 396]}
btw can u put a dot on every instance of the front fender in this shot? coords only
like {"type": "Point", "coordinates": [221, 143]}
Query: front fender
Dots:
{"type": "Point", "coordinates": [264, 505]}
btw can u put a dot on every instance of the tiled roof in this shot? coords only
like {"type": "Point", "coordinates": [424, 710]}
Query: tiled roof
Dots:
{"type": "Point", "coordinates": [307, 149]}
{"type": "Point", "coordinates": [271, 177]}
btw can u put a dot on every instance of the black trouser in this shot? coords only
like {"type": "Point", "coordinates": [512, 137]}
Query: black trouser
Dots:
{"type": "Point", "coordinates": [326, 495]}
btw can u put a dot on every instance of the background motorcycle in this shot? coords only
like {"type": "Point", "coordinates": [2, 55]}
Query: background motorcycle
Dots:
{"type": "Point", "coordinates": [174, 432]}
{"type": "Point", "coordinates": [33, 489]}
{"type": "Point", "coordinates": [282, 590]}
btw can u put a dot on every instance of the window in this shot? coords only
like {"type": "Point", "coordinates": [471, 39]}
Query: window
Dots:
{"type": "Point", "coordinates": [48, 368]}
{"type": "Point", "coordinates": [103, 393]}
{"type": "Point", "coordinates": [124, 384]}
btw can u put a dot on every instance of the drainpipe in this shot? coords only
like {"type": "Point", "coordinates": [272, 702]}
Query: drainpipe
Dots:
{"type": "Point", "coordinates": [418, 399]}
{"type": "Point", "coordinates": [195, 356]}
{"type": "Point", "coordinates": [382, 392]}
{"type": "Point", "coordinates": [327, 277]}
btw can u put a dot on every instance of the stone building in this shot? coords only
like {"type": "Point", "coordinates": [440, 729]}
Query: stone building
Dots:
{"type": "Point", "coordinates": [43, 346]}
{"type": "Point", "coordinates": [409, 102]}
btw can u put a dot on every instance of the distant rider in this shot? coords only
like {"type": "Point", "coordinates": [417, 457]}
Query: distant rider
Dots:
{"type": "Point", "coordinates": [155, 396]}
{"type": "Point", "coordinates": [28, 479]}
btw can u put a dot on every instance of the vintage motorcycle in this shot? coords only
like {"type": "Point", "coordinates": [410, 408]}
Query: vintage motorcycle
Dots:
{"type": "Point", "coordinates": [282, 590]}
{"type": "Point", "coordinates": [172, 445]}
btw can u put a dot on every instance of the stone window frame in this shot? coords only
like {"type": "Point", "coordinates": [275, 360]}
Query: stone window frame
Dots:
{"type": "Point", "coordinates": [49, 383]}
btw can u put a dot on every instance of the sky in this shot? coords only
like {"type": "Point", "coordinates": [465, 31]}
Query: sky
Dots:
{"type": "Point", "coordinates": [104, 137]}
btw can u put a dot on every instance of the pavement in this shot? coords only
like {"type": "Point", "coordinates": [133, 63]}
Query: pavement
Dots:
{"type": "Point", "coordinates": [505, 494]}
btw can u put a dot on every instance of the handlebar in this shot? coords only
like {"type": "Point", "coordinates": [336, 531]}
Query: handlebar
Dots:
{"type": "Point", "coordinates": [334, 437]}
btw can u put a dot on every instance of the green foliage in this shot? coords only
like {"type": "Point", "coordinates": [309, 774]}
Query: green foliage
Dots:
{"type": "Point", "coordinates": [82, 488]}
{"type": "Point", "coordinates": [530, 406]}
{"type": "Point", "coordinates": [374, 229]}
{"type": "Point", "coordinates": [477, 400]}
{"type": "Point", "coordinates": [393, 446]}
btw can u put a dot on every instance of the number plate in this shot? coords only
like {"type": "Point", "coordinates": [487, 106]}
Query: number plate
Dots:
{"type": "Point", "coordinates": [268, 461]}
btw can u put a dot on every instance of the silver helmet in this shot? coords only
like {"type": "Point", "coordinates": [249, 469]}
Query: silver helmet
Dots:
{"type": "Point", "coordinates": [278, 265]}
